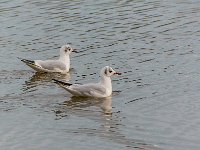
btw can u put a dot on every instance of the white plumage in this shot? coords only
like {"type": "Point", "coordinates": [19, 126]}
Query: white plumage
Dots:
{"type": "Point", "coordinates": [99, 90]}
{"type": "Point", "coordinates": [62, 65]}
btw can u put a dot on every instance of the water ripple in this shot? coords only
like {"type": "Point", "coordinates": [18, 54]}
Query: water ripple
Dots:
{"type": "Point", "coordinates": [155, 44]}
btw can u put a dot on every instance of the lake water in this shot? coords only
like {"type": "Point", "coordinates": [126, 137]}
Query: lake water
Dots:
{"type": "Point", "coordinates": [155, 103]}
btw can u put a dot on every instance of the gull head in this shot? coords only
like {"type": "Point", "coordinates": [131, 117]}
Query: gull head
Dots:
{"type": "Point", "coordinates": [108, 71]}
{"type": "Point", "coordinates": [66, 49]}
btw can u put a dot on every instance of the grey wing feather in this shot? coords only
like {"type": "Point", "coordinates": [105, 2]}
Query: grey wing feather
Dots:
{"type": "Point", "coordinates": [90, 88]}
{"type": "Point", "coordinates": [51, 65]}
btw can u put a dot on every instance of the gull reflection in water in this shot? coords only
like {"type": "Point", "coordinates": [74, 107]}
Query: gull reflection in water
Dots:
{"type": "Point", "coordinates": [87, 102]}
{"type": "Point", "coordinates": [42, 79]}
{"type": "Point", "coordinates": [99, 111]}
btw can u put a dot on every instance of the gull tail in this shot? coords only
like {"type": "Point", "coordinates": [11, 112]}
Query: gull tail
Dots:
{"type": "Point", "coordinates": [32, 64]}
{"type": "Point", "coordinates": [26, 61]}
{"type": "Point", "coordinates": [61, 83]}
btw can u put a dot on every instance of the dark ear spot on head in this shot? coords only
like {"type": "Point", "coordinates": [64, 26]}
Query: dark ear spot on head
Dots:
{"type": "Point", "coordinates": [105, 71]}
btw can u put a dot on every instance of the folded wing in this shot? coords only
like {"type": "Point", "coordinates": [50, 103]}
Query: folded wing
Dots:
{"type": "Point", "coordinates": [93, 90]}
{"type": "Point", "coordinates": [51, 64]}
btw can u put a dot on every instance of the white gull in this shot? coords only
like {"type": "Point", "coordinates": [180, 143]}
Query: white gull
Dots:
{"type": "Point", "coordinates": [98, 90]}
{"type": "Point", "coordinates": [61, 65]}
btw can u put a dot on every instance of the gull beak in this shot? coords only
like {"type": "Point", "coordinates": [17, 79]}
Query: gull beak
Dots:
{"type": "Point", "coordinates": [118, 73]}
{"type": "Point", "coordinates": [75, 51]}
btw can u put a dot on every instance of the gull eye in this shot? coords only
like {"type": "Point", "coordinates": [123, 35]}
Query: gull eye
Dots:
{"type": "Point", "coordinates": [110, 71]}
{"type": "Point", "coordinates": [67, 49]}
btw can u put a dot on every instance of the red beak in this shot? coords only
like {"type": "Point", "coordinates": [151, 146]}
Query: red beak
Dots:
{"type": "Point", "coordinates": [118, 73]}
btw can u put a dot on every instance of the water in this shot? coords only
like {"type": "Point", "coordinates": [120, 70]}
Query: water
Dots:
{"type": "Point", "coordinates": [154, 43]}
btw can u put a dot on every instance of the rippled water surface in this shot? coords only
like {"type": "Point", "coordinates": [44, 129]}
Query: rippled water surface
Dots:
{"type": "Point", "coordinates": [155, 103]}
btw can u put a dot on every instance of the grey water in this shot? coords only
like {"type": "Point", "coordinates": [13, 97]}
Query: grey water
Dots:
{"type": "Point", "coordinates": [155, 103]}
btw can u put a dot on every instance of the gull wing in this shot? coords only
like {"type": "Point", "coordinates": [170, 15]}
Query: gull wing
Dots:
{"type": "Point", "coordinates": [86, 90]}
{"type": "Point", "coordinates": [51, 64]}
{"type": "Point", "coordinates": [92, 90]}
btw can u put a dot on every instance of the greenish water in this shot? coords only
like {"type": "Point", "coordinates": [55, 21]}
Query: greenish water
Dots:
{"type": "Point", "coordinates": [155, 103]}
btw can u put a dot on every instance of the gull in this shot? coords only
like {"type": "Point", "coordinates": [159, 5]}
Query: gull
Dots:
{"type": "Point", "coordinates": [61, 65]}
{"type": "Point", "coordinates": [98, 90]}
